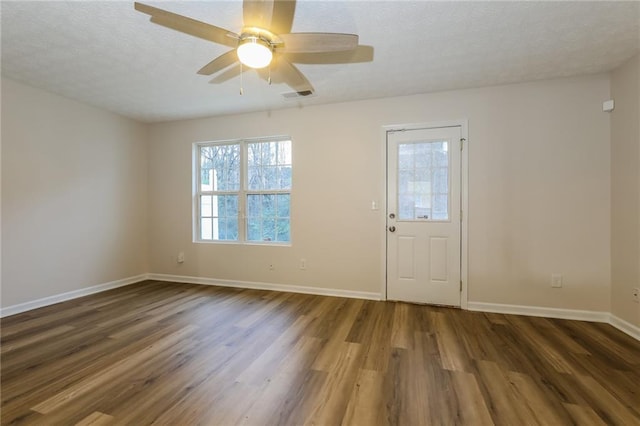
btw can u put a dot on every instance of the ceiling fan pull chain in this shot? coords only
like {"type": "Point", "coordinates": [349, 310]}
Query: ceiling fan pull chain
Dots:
{"type": "Point", "coordinates": [241, 91]}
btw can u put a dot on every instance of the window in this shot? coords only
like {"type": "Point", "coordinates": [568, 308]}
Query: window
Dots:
{"type": "Point", "coordinates": [243, 191]}
{"type": "Point", "coordinates": [423, 173]}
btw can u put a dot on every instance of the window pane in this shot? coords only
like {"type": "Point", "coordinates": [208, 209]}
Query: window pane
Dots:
{"type": "Point", "coordinates": [226, 229]}
{"type": "Point", "coordinates": [253, 154]}
{"type": "Point", "coordinates": [423, 153]}
{"type": "Point", "coordinates": [268, 217]}
{"type": "Point", "coordinates": [441, 207]}
{"type": "Point", "coordinates": [218, 207]}
{"type": "Point", "coordinates": [406, 156]}
{"type": "Point", "coordinates": [284, 152]}
{"type": "Point", "coordinates": [206, 167]}
{"type": "Point", "coordinates": [405, 181]}
{"type": "Point", "coordinates": [441, 181]}
{"type": "Point", "coordinates": [422, 175]}
{"type": "Point", "coordinates": [284, 173]}
{"type": "Point", "coordinates": [220, 167]}
{"type": "Point", "coordinates": [220, 225]}
{"type": "Point", "coordinates": [224, 223]}
{"type": "Point", "coordinates": [269, 165]}
{"type": "Point", "coordinates": [270, 177]}
{"type": "Point", "coordinates": [405, 203]}
{"type": "Point", "coordinates": [231, 204]}
{"type": "Point", "coordinates": [283, 230]}
{"type": "Point", "coordinates": [205, 228]}
{"type": "Point", "coordinates": [423, 181]}
{"type": "Point", "coordinates": [283, 205]}
{"type": "Point", "coordinates": [264, 152]}
{"type": "Point", "coordinates": [268, 205]}
{"type": "Point", "coordinates": [215, 228]}
{"type": "Point", "coordinates": [253, 205]}
{"type": "Point", "coordinates": [441, 152]}
{"type": "Point", "coordinates": [254, 229]}
{"type": "Point", "coordinates": [233, 182]}
{"type": "Point", "coordinates": [254, 178]}
{"type": "Point", "coordinates": [232, 229]}
{"type": "Point", "coordinates": [206, 174]}
{"type": "Point", "coordinates": [205, 206]}
{"type": "Point", "coordinates": [268, 229]}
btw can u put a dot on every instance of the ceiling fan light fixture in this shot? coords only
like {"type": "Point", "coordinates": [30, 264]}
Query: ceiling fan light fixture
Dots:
{"type": "Point", "coordinates": [254, 52]}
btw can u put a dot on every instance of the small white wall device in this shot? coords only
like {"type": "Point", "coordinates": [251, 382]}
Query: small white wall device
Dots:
{"type": "Point", "coordinates": [607, 106]}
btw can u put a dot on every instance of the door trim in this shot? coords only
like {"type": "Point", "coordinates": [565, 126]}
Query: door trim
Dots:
{"type": "Point", "coordinates": [464, 202]}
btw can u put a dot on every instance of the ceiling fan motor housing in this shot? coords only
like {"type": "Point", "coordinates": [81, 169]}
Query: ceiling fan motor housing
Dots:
{"type": "Point", "coordinates": [255, 47]}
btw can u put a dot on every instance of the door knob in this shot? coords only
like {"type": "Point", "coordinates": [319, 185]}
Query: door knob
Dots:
{"type": "Point", "coordinates": [392, 229]}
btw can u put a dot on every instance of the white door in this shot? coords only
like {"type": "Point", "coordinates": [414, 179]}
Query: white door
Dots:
{"type": "Point", "coordinates": [423, 215]}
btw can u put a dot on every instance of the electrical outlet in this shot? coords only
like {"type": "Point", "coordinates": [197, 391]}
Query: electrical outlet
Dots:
{"type": "Point", "coordinates": [180, 258]}
{"type": "Point", "coordinates": [271, 267]}
{"type": "Point", "coordinates": [636, 295]}
{"type": "Point", "coordinates": [556, 280]}
{"type": "Point", "coordinates": [303, 264]}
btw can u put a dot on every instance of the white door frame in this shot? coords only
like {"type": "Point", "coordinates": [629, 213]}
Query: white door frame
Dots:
{"type": "Point", "coordinates": [464, 193]}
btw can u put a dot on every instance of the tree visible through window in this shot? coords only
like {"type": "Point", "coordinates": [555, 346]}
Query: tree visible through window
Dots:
{"type": "Point", "coordinates": [244, 191]}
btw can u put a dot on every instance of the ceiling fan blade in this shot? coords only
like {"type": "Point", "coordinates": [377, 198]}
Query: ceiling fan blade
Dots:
{"type": "Point", "coordinates": [317, 42]}
{"type": "Point", "coordinates": [282, 19]}
{"type": "Point", "coordinates": [357, 55]}
{"type": "Point", "coordinates": [219, 63]}
{"type": "Point", "coordinates": [257, 13]}
{"type": "Point", "coordinates": [189, 26]}
{"type": "Point", "coordinates": [285, 72]}
{"type": "Point", "coordinates": [228, 74]}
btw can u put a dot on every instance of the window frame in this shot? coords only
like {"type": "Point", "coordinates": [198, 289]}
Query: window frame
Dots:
{"type": "Point", "coordinates": [243, 191]}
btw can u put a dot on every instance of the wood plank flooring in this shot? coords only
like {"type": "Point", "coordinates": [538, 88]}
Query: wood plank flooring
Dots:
{"type": "Point", "coordinates": [180, 354]}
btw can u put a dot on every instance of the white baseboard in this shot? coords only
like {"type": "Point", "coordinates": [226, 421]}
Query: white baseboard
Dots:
{"type": "Point", "coordinates": [624, 326]}
{"type": "Point", "coordinates": [321, 291]}
{"type": "Point", "coordinates": [536, 311]}
{"type": "Point", "coordinates": [570, 314]}
{"type": "Point", "coordinates": [62, 297]}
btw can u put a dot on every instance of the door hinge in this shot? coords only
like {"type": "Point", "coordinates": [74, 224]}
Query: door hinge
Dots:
{"type": "Point", "coordinates": [462, 141]}
{"type": "Point", "coordinates": [460, 286]}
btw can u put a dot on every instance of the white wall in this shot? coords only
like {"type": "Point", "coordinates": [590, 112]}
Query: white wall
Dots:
{"type": "Point", "coordinates": [625, 190]}
{"type": "Point", "coordinates": [74, 187]}
{"type": "Point", "coordinates": [539, 192]}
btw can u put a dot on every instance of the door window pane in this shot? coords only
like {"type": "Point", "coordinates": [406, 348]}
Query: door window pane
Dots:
{"type": "Point", "coordinates": [441, 180]}
{"type": "Point", "coordinates": [423, 181]}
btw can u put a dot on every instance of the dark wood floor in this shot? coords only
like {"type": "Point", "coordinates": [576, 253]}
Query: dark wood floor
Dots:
{"type": "Point", "coordinates": [181, 354]}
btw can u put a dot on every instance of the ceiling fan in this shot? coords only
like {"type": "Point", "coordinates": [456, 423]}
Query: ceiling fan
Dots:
{"type": "Point", "coordinates": [266, 43]}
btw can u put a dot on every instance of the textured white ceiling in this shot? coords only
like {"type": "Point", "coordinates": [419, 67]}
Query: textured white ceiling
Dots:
{"type": "Point", "coordinates": [106, 54]}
